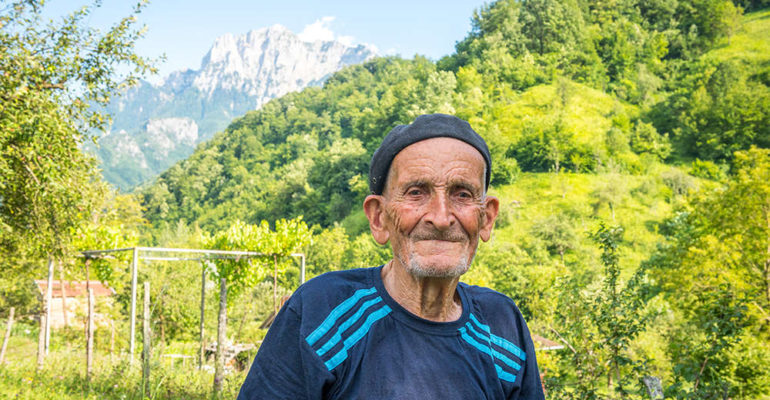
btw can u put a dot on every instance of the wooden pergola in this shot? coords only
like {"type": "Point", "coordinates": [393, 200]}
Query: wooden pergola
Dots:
{"type": "Point", "coordinates": [200, 255]}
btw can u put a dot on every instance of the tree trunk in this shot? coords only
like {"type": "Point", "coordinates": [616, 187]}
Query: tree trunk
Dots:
{"type": "Point", "coordinates": [697, 378]}
{"type": "Point", "coordinates": [63, 294]}
{"type": "Point", "coordinates": [219, 371]}
{"type": "Point", "coordinates": [7, 335]}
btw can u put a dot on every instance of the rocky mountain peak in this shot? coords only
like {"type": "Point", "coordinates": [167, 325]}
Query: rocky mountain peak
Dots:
{"type": "Point", "coordinates": [239, 73]}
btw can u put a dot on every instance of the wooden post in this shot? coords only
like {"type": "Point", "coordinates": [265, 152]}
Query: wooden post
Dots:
{"type": "Point", "coordinates": [88, 286]}
{"type": "Point", "coordinates": [41, 339]}
{"type": "Point", "coordinates": [63, 294]}
{"type": "Point", "coordinates": [90, 338]}
{"type": "Point", "coordinates": [146, 342]}
{"type": "Point", "coordinates": [219, 371]}
{"type": "Point", "coordinates": [48, 291]}
{"type": "Point", "coordinates": [275, 283]}
{"type": "Point", "coordinates": [7, 335]}
{"type": "Point", "coordinates": [201, 349]}
{"type": "Point", "coordinates": [131, 343]}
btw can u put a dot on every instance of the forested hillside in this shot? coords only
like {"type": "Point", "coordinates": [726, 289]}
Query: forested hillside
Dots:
{"type": "Point", "coordinates": [630, 153]}
{"type": "Point", "coordinates": [616, 84]}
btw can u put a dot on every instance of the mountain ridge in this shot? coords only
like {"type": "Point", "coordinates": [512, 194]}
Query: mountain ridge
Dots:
{"type": "Point", "coordinates": [239, 73]}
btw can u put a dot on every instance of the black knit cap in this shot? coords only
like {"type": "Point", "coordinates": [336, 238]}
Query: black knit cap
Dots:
{"type": "Point", "coordinates": [424, 127]}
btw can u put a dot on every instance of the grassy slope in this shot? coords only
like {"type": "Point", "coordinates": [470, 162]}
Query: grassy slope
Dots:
{"type": "Point", "coordinates": [751, 42]}
{"type": "Point", "coordinates": [644, 200]}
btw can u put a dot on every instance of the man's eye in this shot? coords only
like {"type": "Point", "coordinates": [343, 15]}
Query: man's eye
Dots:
{"type": "Point", "coordinates": [464, 195]}
{"type": "Point", "coordinates": [414, 192]}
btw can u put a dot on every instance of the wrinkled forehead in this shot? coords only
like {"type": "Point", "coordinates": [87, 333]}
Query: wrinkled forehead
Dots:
{"type": "Point", "coordinates": [437, 155]}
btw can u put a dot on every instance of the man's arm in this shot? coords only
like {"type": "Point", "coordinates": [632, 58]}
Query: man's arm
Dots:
{"type": "Point", "coordinates": [531, 386]}
{"type": "Point", "coordinates": [285, 366]}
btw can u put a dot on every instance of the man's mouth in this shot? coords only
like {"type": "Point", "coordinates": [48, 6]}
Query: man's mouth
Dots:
{"type": "Point", "coordinates": [441, 237]}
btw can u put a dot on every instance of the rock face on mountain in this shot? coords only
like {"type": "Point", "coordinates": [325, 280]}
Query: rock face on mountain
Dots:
{"type": "Point", "coordinates": [156, 125]}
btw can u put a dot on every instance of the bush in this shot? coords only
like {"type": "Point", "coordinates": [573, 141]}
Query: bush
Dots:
{"type": "Point", "coordinates": [707, 170]}
{"type": "Point", "coordinates": [505, 171]}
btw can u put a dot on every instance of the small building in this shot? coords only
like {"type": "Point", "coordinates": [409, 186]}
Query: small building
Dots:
{"type": "Point", "coordinates": [543, 344]}
{"type": "Point", "coordinates": [76, 300]}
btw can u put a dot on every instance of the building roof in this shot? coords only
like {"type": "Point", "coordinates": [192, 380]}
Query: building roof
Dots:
{"type": "Point", "coordinates": [543, 344]}
{"type": "Point", "coordinates": [74, 288]}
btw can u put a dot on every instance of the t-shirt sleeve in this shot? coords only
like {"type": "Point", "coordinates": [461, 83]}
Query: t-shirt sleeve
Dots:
{"type": "Point", "coordinates": [531, 386]}
{"type": "Point", "coordinates": [285, 366]}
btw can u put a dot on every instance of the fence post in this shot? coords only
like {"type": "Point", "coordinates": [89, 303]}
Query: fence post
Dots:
{"type": "Point", "coordinates": [7, 335]}
{"type": "Point", "coordinates": [219, 371]}
{"type": "Point", "coordinates": [275, 283]}
{"type": "Point", "coordinates": [203, 316]}
{"type": "Point", "coordinates": [41, 339]}
{"type": "Point", "coordinates": [146, 342]}
{"type": "Point", "coordinates": [131, 343]}
{"type": "Point", "coordinates": [63, 294]}
{"type": "Point", "coordinates": [48, 295]}
{"type": "Point", "coordinates": [90, 338]}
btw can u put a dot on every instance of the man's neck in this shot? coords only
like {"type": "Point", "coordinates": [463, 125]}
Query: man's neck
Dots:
{"type": "Point", "coordinates": [434, 299]}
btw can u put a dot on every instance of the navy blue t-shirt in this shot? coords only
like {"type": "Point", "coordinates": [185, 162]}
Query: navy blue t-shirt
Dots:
{"type": "Point", "coordinates": [341, 336]}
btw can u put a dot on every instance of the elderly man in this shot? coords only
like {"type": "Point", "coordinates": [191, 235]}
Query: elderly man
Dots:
{"type": "Point", "coordinates": [408, 329]}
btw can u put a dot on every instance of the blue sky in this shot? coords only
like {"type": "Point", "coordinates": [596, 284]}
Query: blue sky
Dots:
{"type": "Point", "coordinates": [184, 30]}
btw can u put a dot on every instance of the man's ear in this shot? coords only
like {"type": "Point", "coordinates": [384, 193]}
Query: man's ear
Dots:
{"type": "Point", "coordinates": [491, 208]}
{"type": "Point", "coordinates": [374, 208]}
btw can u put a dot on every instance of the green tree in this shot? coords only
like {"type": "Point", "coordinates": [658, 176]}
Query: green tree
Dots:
{"type": "Point", "coordinates": [619, 311]}
{"type": "Point", "coordinates": [717, 110]}
{"type": "Point", "coordinates": [714, 269]}
{"type": "Point", "coordinates": [551, 26]}
{"type": "Point", "coordinates": [600, 324]}
{"type": "Point", "coordinates": [722, 237]}
{"type": "Point", "coordinates": [557, 232]}
{"type": "Point", "coordinates": [51, 75]}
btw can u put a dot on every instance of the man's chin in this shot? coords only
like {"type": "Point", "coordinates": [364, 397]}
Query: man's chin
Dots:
{"type": "Point", "coordinates": [427, 269]}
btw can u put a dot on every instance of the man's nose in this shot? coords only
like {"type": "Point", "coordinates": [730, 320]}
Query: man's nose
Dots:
{"type": "Point", "coordinates": [439, 212]}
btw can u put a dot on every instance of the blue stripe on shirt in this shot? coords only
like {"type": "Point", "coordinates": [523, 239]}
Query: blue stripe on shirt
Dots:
{"type": "Point", "coordinates": [346, 325]}
{"type": "Point", "coordinates": [497, 340]}
{"type": "Point", "coordinates": [336, 313]}
{"type": "Point", "coordinates": [487, 350]}
{"type": "Point", "coordinates": [495, 354]}
{"type": "Point", "coordinates": [355, 337]}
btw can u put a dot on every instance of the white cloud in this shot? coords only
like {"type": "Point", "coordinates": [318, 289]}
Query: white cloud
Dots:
{"type": "Point", "coordinates": [320, 30]}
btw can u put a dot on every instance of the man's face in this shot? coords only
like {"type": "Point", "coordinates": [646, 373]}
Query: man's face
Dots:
{"type": "Point", "coordinates": [433, 209]}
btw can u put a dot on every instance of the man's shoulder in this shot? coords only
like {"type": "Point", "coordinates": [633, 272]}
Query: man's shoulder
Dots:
{"type": "Point", "coordinates": [492, 305]}
{"type": "Point", "coordinates": [487, 296]}
{"type": "Point", "coordinates": [331, 287]}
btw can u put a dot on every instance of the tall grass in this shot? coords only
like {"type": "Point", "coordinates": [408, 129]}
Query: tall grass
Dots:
{"type": "Point", "coordinates": [114, 377]}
